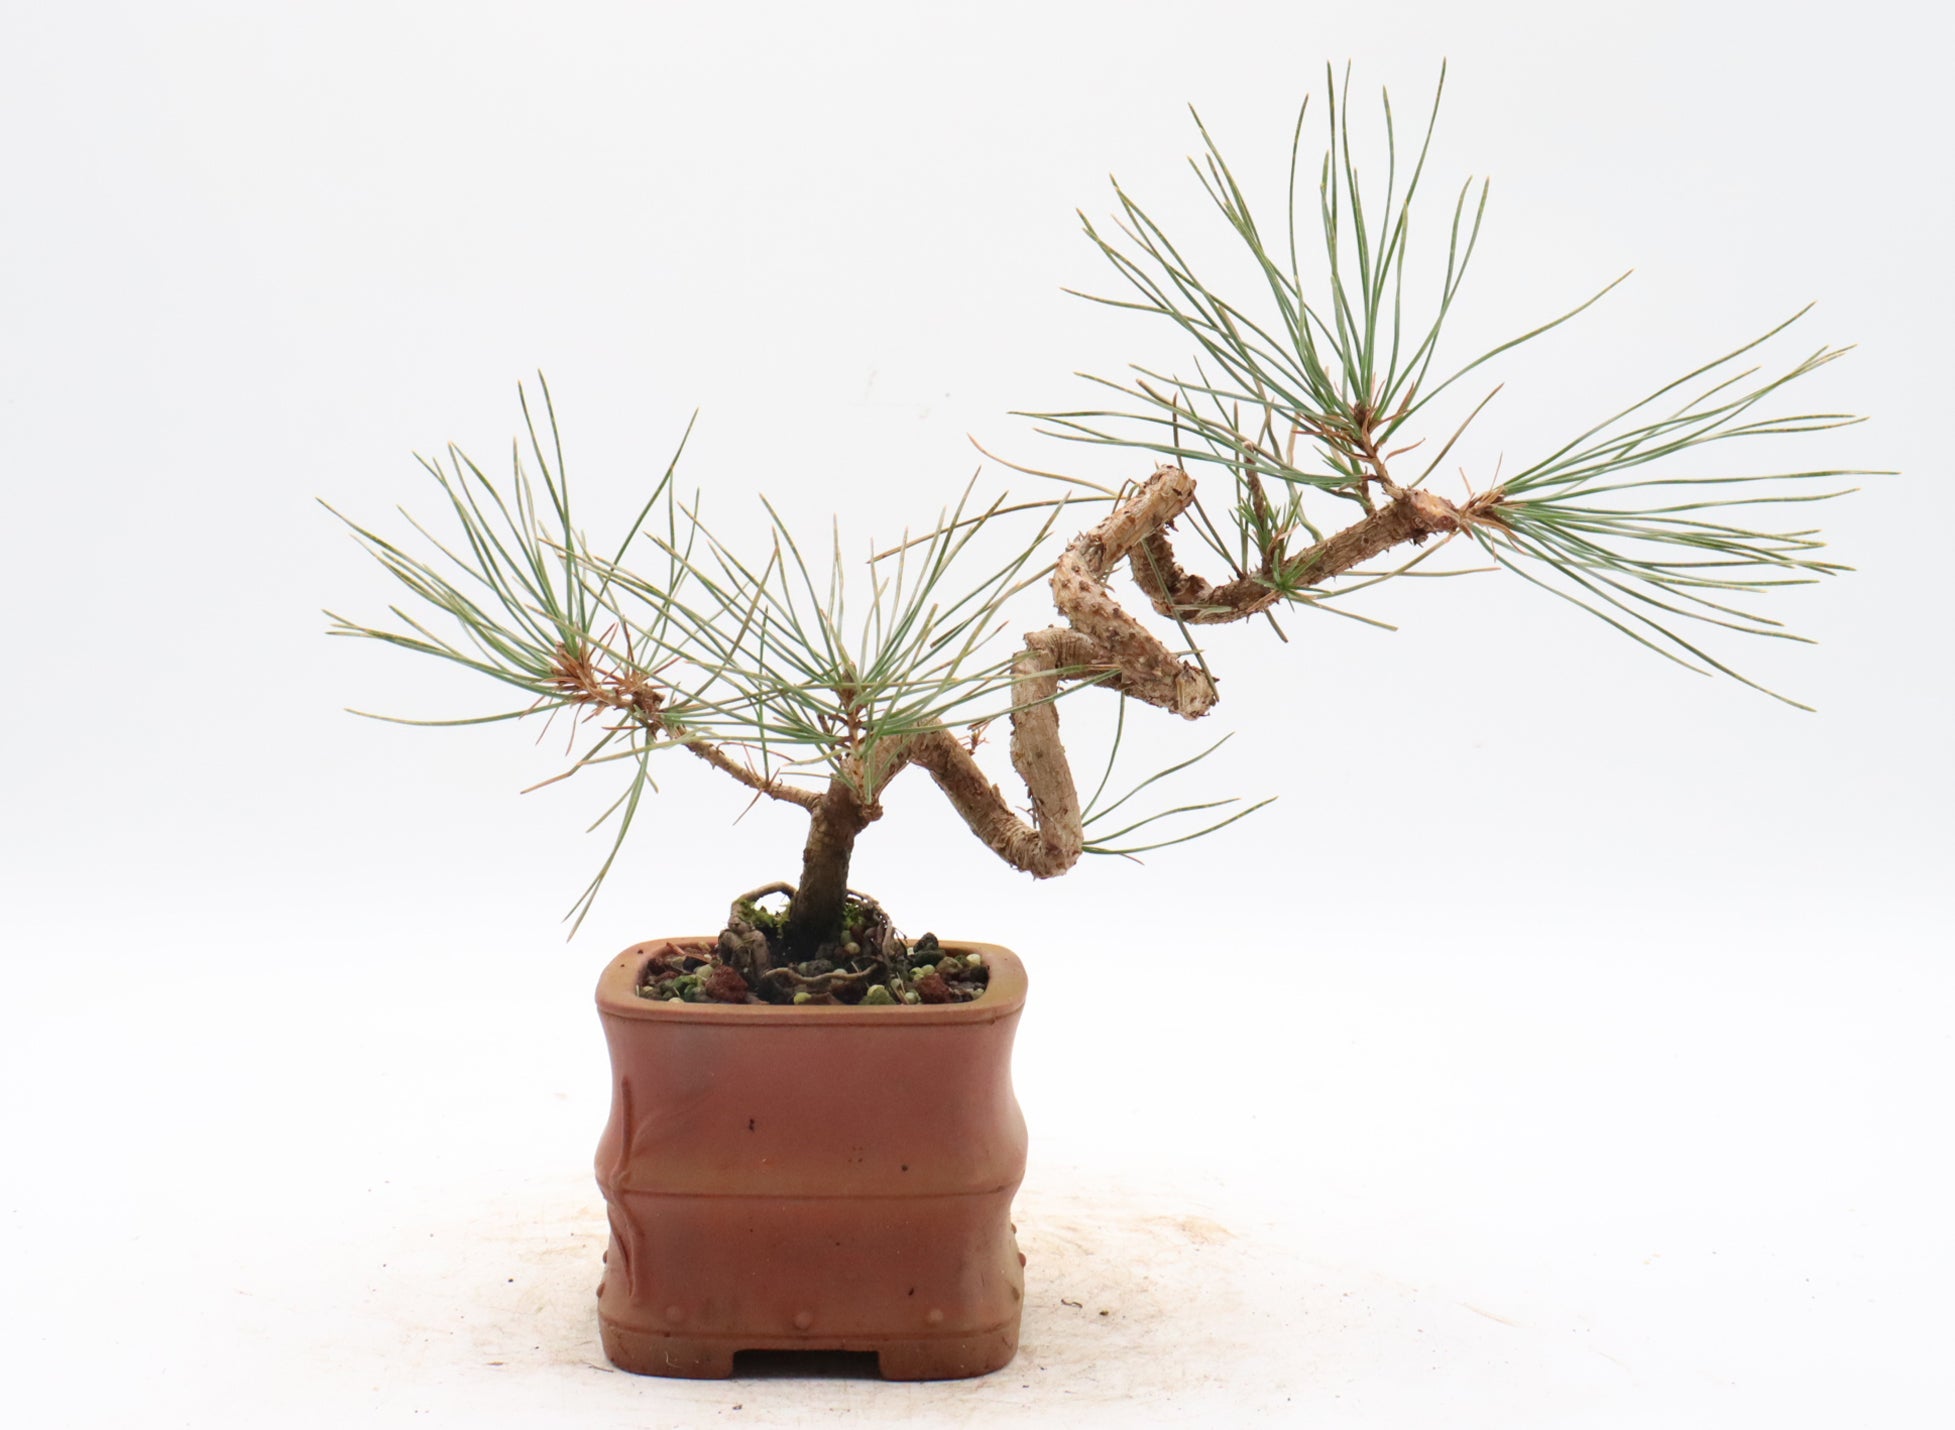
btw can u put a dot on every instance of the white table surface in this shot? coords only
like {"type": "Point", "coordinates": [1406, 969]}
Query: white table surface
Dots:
{"type": "Point", "coordinates": [1450, 1203]}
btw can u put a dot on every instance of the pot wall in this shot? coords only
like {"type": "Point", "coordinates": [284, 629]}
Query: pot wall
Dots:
{"type": "Point", "coordinates": [812, 1178]}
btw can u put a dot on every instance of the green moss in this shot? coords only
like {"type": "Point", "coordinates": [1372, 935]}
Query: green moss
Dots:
{"type": "Point", "coordinates": [766, 920]}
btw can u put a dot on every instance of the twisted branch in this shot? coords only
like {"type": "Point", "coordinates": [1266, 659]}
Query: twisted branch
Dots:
{"type": "Point", "coordinates": [1104, 644]}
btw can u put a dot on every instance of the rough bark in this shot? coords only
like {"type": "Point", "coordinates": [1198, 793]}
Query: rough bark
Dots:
{"type": "Point", "coordinates": [1409, 516]}
{"type": "Point", "coordinates": [815, 915]}
{"type": "Point", "coordinates": [1104, 634]}
{"type": "Point", "coordinates": [1103, 643]}
{"type": "Point", "coordinates": [1048, 845]}
{"type": "Point", "coordinates": [1177, 593]}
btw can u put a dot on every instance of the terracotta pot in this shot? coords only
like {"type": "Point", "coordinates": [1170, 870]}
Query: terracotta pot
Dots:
{"type": "Point", "coordinates": [815, 1178]}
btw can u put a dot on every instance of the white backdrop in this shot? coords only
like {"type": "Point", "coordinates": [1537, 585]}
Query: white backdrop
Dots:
{"type": "Point", "coordinates": [1604, 1076]}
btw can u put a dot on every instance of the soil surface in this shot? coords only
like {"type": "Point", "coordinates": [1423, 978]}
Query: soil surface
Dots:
{"type": "Point", "coordinates": [869, 963]}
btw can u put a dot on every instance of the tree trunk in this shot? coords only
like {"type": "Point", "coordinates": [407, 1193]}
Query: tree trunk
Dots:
{"type": "Point", "coordinates": [815, 915]}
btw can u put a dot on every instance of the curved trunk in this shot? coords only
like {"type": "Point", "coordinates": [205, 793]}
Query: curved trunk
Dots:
{"type": "Point", "coordinates": [815, 915]}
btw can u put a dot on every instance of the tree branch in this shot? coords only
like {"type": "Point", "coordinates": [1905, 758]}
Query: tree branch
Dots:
{"type": "Point", "coordinates": [1104, 644]}
{"type": "Point", "coordinates": [1102, 636]}
{"type": "Point", "coordinates": [760, 784]}
{"type": "Point", "coordinates": [1021, 845]}
{"type": "Point", "coordinates": [1409, 516]}
{"type": "Point", "coordinates": [1181, 595]}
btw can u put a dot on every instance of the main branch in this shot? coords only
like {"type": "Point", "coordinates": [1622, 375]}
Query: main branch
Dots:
{"type": "Point", "coordinates": [1101, 643]}
{"type": "Point", "coordinates": [1104, 644]}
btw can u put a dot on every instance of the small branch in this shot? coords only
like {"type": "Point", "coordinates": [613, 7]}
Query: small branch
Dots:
{"type": "Point", "coordinates": [1179, 594]}
{"type": "Point", "coordinates": [579, 679]}
{"type": "Point", "coordinates": [1368, 449]}
{"type": "Point", "coordinates": [1410, 516]}
{"type": "Point", "coordinates": [760, 784]}
{"type": "Point", "coordinates": [630, 692]}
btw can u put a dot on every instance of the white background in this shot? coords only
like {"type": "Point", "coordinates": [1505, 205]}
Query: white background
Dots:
{"type": "Point", "coordinates": [1569, 1045]}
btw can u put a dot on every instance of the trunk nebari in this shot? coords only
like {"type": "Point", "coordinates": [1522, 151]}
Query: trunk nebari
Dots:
{"type": "Point", "coordinates": [815, 915]}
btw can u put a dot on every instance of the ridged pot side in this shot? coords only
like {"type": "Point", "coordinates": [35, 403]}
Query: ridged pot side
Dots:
{"type": "Point", "coordinates": [818, 1178]}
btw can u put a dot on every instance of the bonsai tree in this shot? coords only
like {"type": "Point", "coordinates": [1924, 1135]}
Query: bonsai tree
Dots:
{"type": "Point", "coordinates": [1305, 399]}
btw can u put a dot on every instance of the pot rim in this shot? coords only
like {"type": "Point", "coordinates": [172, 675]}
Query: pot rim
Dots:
{"type": "Point", "coordinates": [1004, 996]}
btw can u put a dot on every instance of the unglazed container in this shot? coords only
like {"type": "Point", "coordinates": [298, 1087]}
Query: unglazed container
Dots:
{"type": "Point", "coordinates": [811, 1178]}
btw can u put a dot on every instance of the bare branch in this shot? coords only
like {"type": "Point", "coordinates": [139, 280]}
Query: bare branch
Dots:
{"type": "Point", "coordinates": [984, 809]}
{"type": "Point", "coordinates": [772, 787]}
{"type": "Point", "coordinates": [1104, 644]}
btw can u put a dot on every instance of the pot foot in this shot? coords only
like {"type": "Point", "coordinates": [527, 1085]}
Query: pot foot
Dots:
{"type": "Point", "coordinates": [947, 1357]}
{"type": "Point", "coordinates": [649, 1353]}
{"type": "Point", "coordinates": [711, 1357]}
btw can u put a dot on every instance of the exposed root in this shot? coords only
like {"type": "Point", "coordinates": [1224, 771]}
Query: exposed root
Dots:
{"type": "Point", "coordinates": [869, 963]}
